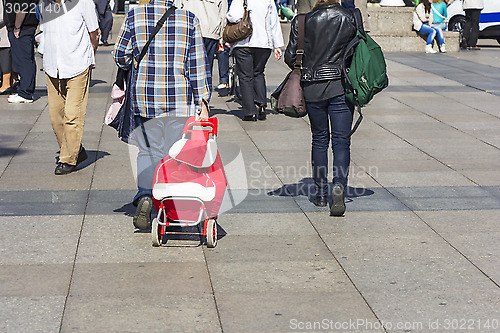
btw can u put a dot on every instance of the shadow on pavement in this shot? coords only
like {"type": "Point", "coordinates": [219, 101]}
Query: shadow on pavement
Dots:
{"type": "Point", "coordinates": [93, 156]}
{"type": "Point", "coordinates": [95, 82]}
{"type": "Point", "coordinates": [306, 188]}
{"type": "Point", "coordinates": [4, 152]}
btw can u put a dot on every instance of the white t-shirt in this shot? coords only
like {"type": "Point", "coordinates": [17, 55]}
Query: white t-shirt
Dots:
{"type": "Point", "coordinates": [67, 50]}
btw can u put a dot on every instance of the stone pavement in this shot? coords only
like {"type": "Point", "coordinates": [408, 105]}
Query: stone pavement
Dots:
{"type": "Point", "coordinates": [417, 251]}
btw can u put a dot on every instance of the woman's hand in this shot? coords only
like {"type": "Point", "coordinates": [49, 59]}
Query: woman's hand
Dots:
{"type": "Point", "coordinates": [203, 116]}
{"type": "Point", "coordinates": [277, 53]}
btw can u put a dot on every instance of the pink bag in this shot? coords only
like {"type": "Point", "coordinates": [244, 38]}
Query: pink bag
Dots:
{"type": "Point", "coordinates": [118, 97]}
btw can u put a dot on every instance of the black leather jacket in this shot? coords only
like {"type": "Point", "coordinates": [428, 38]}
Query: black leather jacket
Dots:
{"type": "Point", "coordinates": [328, 30]}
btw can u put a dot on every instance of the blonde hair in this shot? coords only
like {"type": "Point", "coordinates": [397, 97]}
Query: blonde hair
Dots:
{"type": "Point", "coordinates": [325, 2]}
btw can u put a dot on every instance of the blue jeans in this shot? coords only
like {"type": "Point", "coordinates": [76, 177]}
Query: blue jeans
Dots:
{"type": "Point", "coordinates": [223, 61]}
{"type": "Point", "coordinates": [443, 26]}
{"type": "Point", "coordinates": [210, 45]}
{"type": "Point", "coordinates": [330, 119]}
{"type": "Point", "coordinates": [153, 137]}
{"type": "Point", "coordinates": [432, 32]}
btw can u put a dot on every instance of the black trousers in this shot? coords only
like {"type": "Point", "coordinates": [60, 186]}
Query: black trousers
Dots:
{"type": "Point", "coordinates": [250, 66]}
{"type": "Point", "coordinates": [23, 61]}
{"type": "Point", "coordinates": [471, 27]}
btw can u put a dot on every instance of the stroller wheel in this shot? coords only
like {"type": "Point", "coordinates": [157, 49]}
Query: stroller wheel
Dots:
{"type": "Point", "coordinates": [155, 233]}
{"type": "Point", "coordinates": [211, 233]}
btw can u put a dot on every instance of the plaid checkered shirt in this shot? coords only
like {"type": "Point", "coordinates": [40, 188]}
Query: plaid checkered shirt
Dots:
{"type": "Point", "coordinates": [174, 76]}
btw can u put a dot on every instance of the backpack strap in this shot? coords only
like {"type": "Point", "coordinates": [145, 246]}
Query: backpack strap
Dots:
{"type": "Point", "coordinates": [348, 52]}
{"type": "Point", "coordinates": [300, 40]}
{"type": "Point", "coordinates": [156, 29]}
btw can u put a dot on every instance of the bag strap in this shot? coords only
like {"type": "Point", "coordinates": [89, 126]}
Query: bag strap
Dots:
{"type": "Point", "coordinates": [245, 4]}
{"type": "Point", "coordinates": [349, 51]}
{"type": "Point", "coordinates": [300, 41]}
{"type": "Point", "coordinates": [154, 32]}
{"type": "Point", "coordinates": [438, 13]}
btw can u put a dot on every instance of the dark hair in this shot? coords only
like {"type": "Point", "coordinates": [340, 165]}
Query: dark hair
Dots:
{"type": "Point", "coordinates": [427, 5]}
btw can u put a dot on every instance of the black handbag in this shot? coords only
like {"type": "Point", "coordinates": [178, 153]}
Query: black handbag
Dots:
{"type": "Point", "coordinates": [289, 97]}
{"type": "Point", "coordinates": [124, 122]}
{"type": "Point", "coordinates": [234, 32]}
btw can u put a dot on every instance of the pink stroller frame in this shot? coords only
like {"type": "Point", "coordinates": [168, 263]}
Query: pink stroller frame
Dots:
{"type": "Point", "coordinates": [189, 184]}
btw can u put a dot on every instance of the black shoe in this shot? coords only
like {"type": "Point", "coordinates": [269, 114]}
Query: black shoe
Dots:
{"type": "Point", "coordinates": [321, 201]}
{"type": "Point", "coordinates": [142, 217]}
{"type": "Point", "coordinates": [82, 155]}
{"type": "Point", "coordinates": [250, 118]}
{"type": "Point", "coordinates": [64, 169]}
{"type": "Point", "coordinates": [262, 112]}
{"type": "Point", "coordinates": [338, 204]}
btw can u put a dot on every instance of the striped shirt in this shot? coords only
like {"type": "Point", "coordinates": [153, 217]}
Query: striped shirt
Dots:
{"type": "Point", "coordinates": [173, 77]}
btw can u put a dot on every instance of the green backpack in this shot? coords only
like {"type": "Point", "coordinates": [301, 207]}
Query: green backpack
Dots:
{"type": "Point", "coordinates": [367, 73]}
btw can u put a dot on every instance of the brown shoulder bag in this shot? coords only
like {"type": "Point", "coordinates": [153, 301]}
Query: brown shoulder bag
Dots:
{"type": "Point", "coordinates": [291, 99]}
{"type": "Point", "coordinates": [234, 32]}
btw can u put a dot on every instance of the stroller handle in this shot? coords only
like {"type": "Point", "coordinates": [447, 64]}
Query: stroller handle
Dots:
{"type": "Point", "coordinates": [211, 122]}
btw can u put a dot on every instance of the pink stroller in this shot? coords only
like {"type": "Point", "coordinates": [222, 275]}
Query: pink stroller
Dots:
{"type": "Point", "coordinates": [189, 184]}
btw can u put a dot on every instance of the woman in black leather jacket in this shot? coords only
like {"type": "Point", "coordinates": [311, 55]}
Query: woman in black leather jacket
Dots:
{"type": "Point", "coordinates": [328, 29]}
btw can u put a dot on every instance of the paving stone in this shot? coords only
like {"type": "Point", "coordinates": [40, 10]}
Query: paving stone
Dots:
{"type": "Point", "coordinates": [138, 279]}
{"type": "Point", "coordinates": [39, 239]}
{"type": "Point", "coordinates": [31, 314]}
{"type": "Point", "coordinates": [151, 313]}
{"type": "Point", "coordinates": [109, 239]}
{"type": "Point", "coordinates": [35, 280]}
{"type": "Point", "coordinates": [289, 311]}
{"type": "Point", "coordinates": [266, 224]}
{"type": "Point", "coordinates": [275, 276]}
{"type": "Point", "coordinates": [273, 248]}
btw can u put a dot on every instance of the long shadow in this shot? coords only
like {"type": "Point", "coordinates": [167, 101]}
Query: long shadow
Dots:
{"type": "Point", "coordinates": [96, 82]}
{"type": "Point", "coordinates": [93, 156]}
{"type": "Point", "coordinates": [307, 189]}
{"type": "Point", "coordinates": [4, 151]}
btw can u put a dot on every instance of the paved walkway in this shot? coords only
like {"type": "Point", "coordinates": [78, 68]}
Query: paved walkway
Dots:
{"type": "Point", "coordinates": [418, 250]}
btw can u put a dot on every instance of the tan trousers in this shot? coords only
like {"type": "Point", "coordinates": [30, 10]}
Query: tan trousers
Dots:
{"type": "Point", "coordinates": [67, 107]}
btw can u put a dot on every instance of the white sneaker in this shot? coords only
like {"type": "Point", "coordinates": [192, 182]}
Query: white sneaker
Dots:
{"type": "Point", "coordinates": [429, 49]}
{"type": "Point", "coordinates": [18, 99]}
{"type": "Point", "coordinates": [223, 86]}
{"type": "Point", "coordinates": [442, 49]}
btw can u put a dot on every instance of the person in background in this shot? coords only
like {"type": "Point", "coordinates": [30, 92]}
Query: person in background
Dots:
{"type": "Point", "coordinates": [6, 74]}
{"type": "Point", "coordinates": [422, 23]}
{"type": "Point", "coordinates": [252, 53]}
{"type": "Point", "coordinates": [70, 43]}
{"type": "Point", "coordinates": [105, 20]}
{"type": "Point", "coordinates": [304, 6]}
{"type": "Point", "coordinates": [223, 62]}
{"type": "Point", "coordinates": [440, 14]}
{"type": "Point", "coordinates": [170, 85]}
{"type": "Point", "coordinates": [212, 17]}
{"type": "Point", "coordinates": [361, 5]}
{"type": "Point", "coordinates": [330, 114]}
{"type": "Point", "coordinates": [21, 23]}
{"type": "Point", "coordinates": [472, 10]}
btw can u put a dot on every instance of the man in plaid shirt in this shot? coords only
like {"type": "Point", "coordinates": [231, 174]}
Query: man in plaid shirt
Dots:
{"type": "Point", "coordinates": [172, 82]}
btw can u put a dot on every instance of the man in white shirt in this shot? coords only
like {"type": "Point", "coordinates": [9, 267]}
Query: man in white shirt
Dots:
{"type": "Point", "coordinates": [71, 36]}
